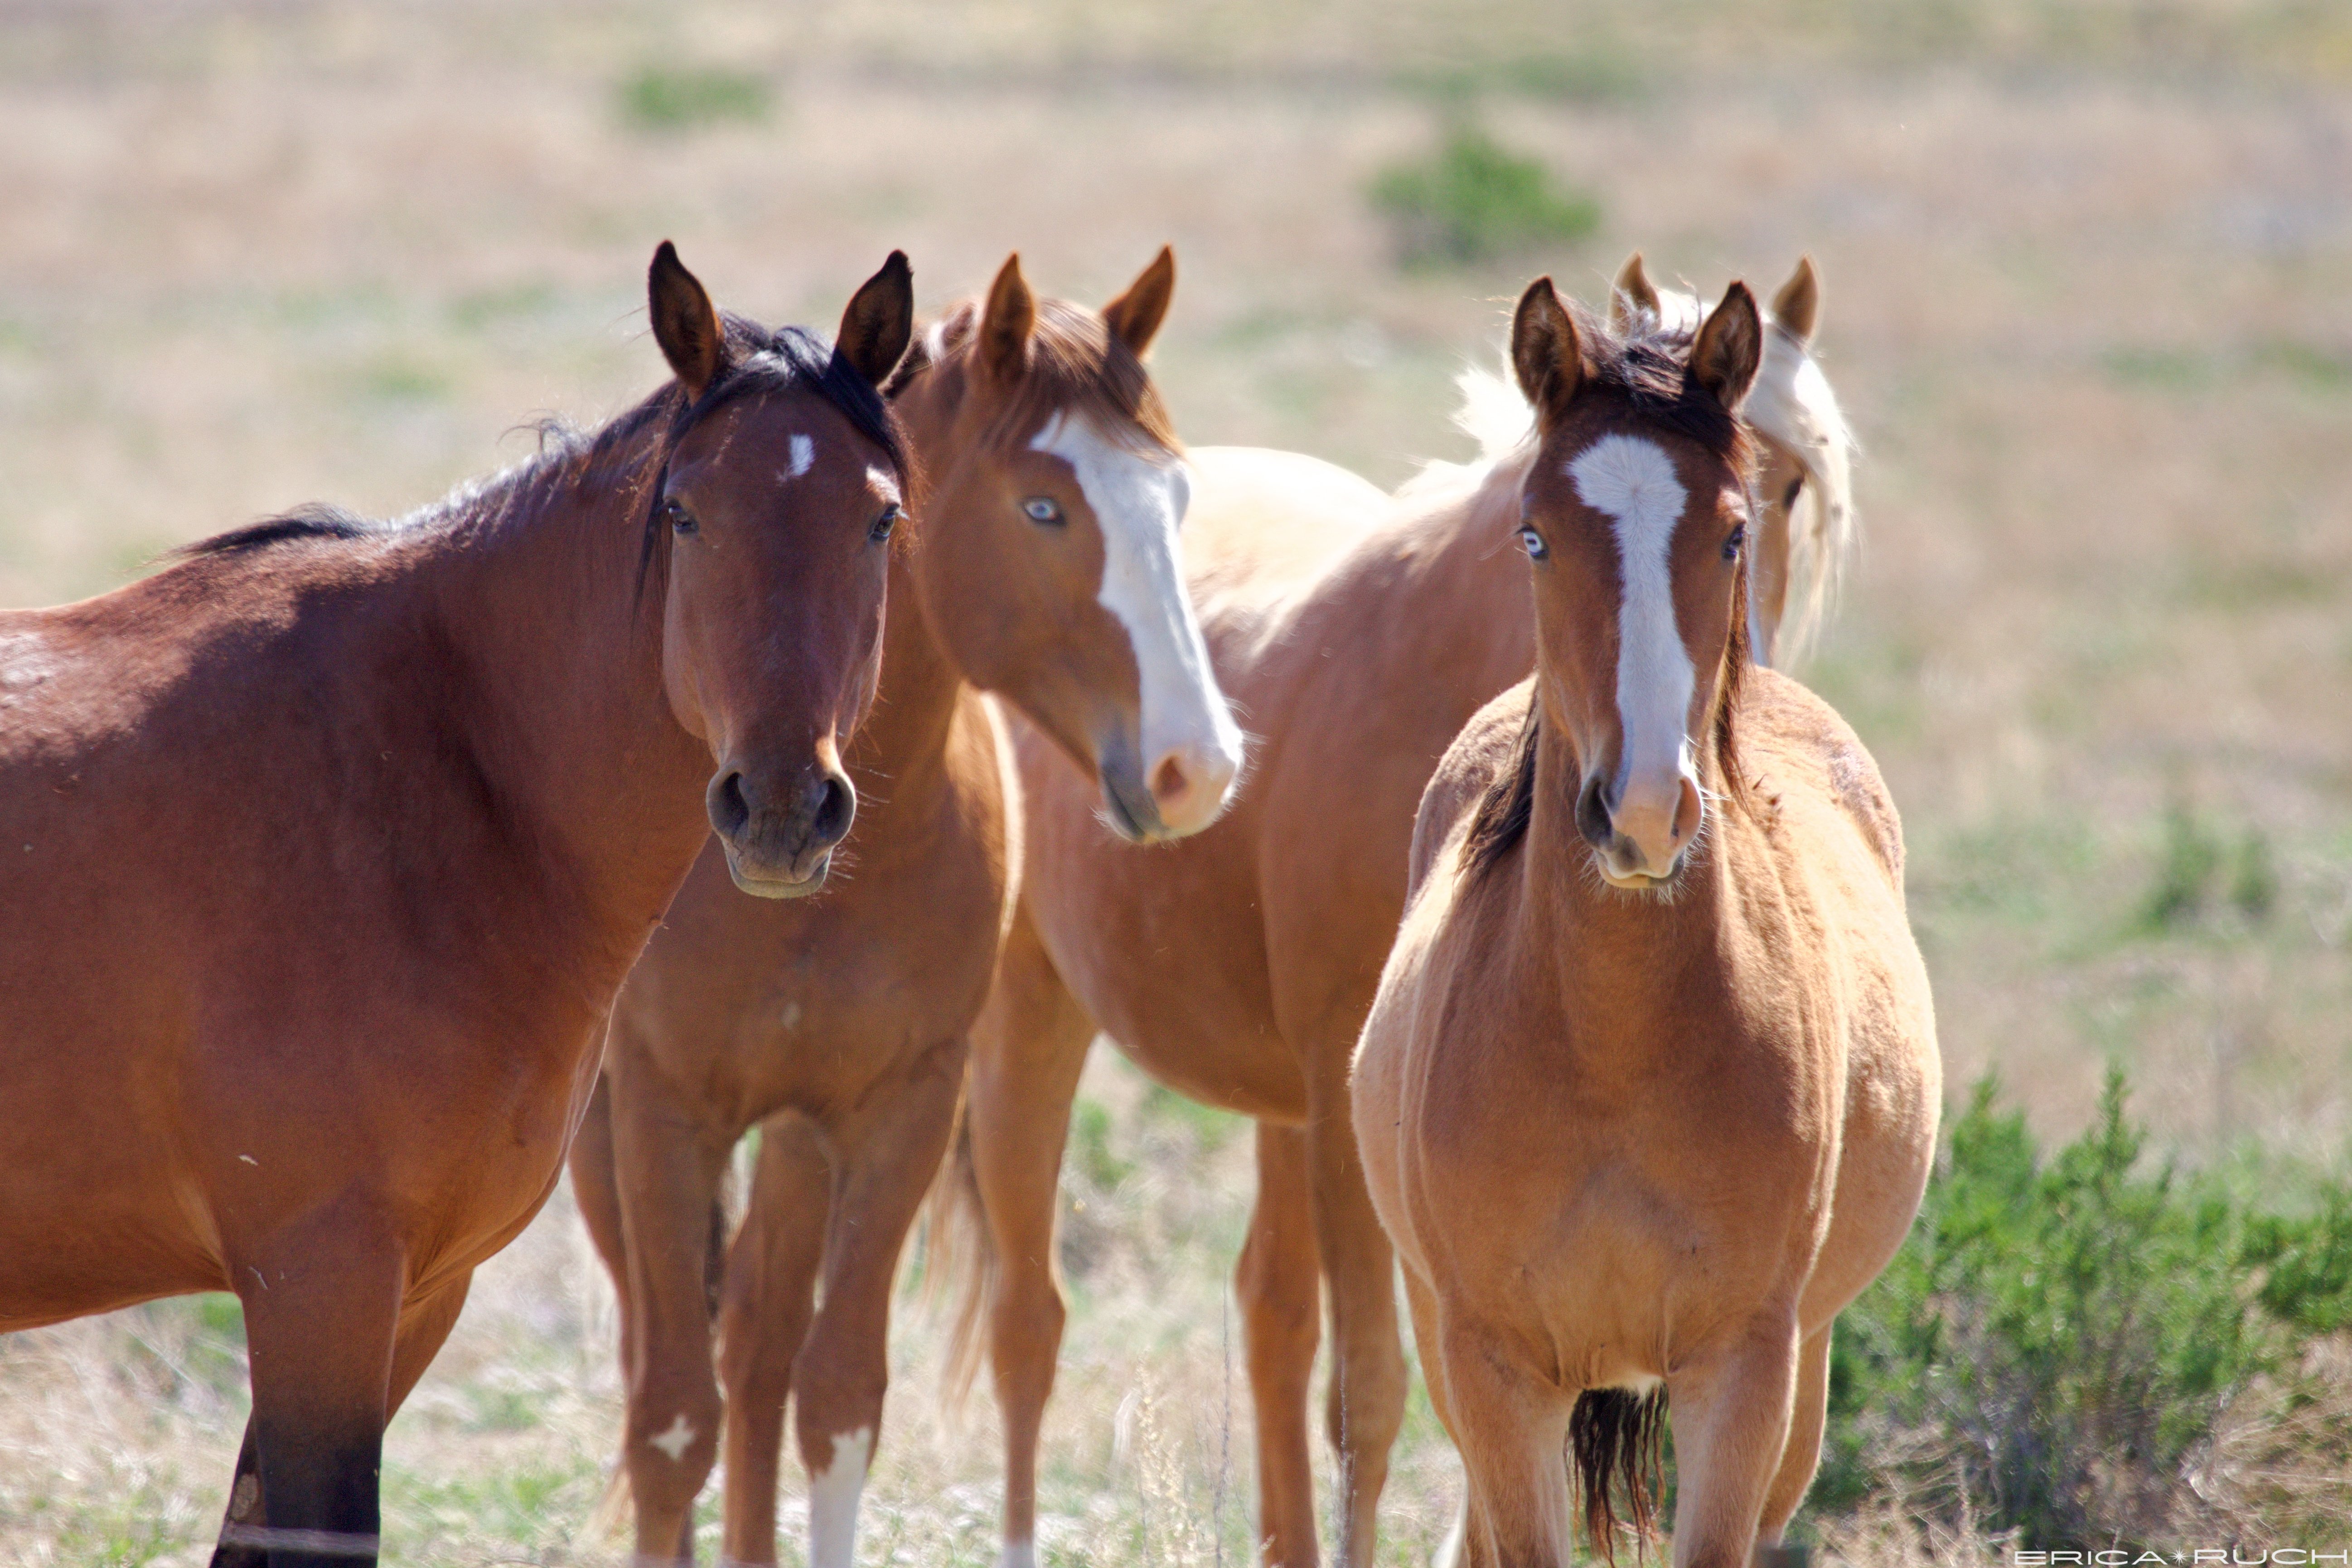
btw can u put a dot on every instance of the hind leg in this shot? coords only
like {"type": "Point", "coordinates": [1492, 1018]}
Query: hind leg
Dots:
{"type": "Point", "coordinates": [762, 1319]}
{"type": "Point", "coordinates": [883, 1163]}
{"type": "Point", "coordinates": [1280, 1287]}
{"type": "Point", "coordinates": [1028, 1046]}
{"type": "Point", "coordinates": [1732, 1412]}
{"type": "Point", "coordinates": [596, 1188]}
{"type": "Point", "coordinates": [1802, 1454]}
{"type": "Point", "coordinates": [321, 1305]}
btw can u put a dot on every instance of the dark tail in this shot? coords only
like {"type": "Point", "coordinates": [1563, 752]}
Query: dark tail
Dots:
{"type": "Point", "coordinates": [959, 1260]}
{"type": "Point", "coordinates": [1613, 1440]}
{"type": "Point", "coordinates": [724, 1219]}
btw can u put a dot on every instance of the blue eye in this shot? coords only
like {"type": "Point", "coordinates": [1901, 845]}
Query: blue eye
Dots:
{"type": "Point", "coordinates": [1731, 546]}
{"type": "Point", "coordinates": [1043, 509]}
{"type": "Point", "coordinates": [1537, 549]}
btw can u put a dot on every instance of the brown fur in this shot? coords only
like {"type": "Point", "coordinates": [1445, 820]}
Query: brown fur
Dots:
{"type": "Point", "coordinates": [338, 840]}
{"type": "Point", "coordinates": [839, 1027]}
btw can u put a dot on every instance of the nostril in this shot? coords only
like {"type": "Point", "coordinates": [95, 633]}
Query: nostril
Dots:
{"type": "Point", "coordinates": [1169, 780]}
{"type": "Point", "coordinates": [835, 809]}
{"type": "Point", "coordinates": [1592, 816]}
{"type": "Point", "coordinates": [729, 811]}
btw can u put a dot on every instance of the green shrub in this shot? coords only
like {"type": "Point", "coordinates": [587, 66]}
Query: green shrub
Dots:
{"type": "Point", "coordinates": [662, 97]}
{"type": "Point", "coordinates": [2057, 1338]}
{"type": "Point", "coordinates": [1476, 201]}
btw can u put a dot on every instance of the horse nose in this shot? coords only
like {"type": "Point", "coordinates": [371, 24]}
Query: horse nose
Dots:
{"type": "Point", "coordinates": [1642, 834]}
{"type": "Point", "coordinates": [779, 836]}
{"type": "Point", "coordinates": [1189, 784]}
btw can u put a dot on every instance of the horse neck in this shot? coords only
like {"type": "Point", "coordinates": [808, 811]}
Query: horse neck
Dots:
{"type": "Point", "coordinates": [561, 651]}
{"type": "Point", "coordinates": [1620, 955]}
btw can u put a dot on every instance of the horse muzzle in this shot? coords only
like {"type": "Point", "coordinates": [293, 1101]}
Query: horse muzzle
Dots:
{"type": "Point", "coordinates": [779, 840]}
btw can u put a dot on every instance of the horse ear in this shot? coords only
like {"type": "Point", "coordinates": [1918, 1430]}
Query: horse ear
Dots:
{"type": "Point", "coordinates": [879, 321]}
{"type": "Point", "coordinates": [1135, 316]}
{"type": "Point", "coordinates": [1798, 305]}
{"type": "Point", "coordinates": [1631, 294]}
{"type": "Point", "coordinates": [1005, 325]}
{"type": "Point", "coordinates": [1545, 354]}
{"type": "Point", "coordinates": [1731, 346]}
{"type": "Point", "coordinates": [685, 323]}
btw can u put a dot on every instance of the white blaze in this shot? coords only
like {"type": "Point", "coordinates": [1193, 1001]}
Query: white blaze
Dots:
{"type": "Point", "coordinates": [803, 456]}
{"type": "Point", "coordinates": [1139, 501]}
{"type": "Point", "coordinates": [832, 1500]}
{"type": "Point", "coordinates": [1632, 481]}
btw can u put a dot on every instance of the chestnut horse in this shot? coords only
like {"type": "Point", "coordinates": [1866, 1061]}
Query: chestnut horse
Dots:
{"type": "Point", "coordinates": [1357, 633]}
{"type": "Point", "coordinates": [1649, 1089]}
{"type": "Point", "coordinates": [389, 810]}
{"type": "Point", "coordinates": [1049, 490]}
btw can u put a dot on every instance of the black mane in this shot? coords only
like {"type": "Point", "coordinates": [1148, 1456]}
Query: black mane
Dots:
{"type": "Point", "coordinates": [758, 361]}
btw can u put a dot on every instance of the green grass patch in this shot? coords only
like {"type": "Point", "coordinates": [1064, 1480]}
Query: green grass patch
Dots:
{"type": "Point", "coordinates": [1475, 200]}
{"type": "Point", "coordinates": [676, 98]}
{"type": "Point", "coordinates": [2059, 1336]}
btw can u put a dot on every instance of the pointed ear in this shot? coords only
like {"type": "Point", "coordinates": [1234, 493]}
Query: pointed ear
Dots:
{"type": "Point", "coordinates": [1545, 354]}
{"type": "Point", "coordinates": [1631, 294]}
{"type": "Point", "coordinates": [1135, 316]}
{"type": "Point", "coordinates": [685, 324]}
{"type": "Point", "coordinates": [879, 321]}
{"type": "Point", "coordinates": [1798, 305]}
{"type": "Point", "coordinates": [1005, 325]}
{"type": "Point", "coordinates": [1731, 346]}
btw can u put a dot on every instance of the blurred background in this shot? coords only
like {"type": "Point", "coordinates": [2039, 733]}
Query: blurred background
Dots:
{"type": "Point", "coordinates": [2088, 303]}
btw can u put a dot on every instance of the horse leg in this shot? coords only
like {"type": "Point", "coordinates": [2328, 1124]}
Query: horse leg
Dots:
{"type": "Point", "coordinates": [1732, 1415]}
{"type": "Point", "coordinates": [883, 1164]}
{"type": "Point", "coordinates": [1510, 1427]}
{"type": "Point", "coordinates": [668, 1173]}
{"type": "Point", "coordinates": [320, 1308]}
{"type": "Point", "coordinates": [1280, 1287]}
{"type": "Point", "coordinates": [763, 1319]}
{"type": "Point", "coordinates": [1367, 1370]}
{"type": "Point", "coordinates": [596, 1188]}
{"type": "Point", "coordinates": [1423, 1303]}
{"type": "Point", "coordinates": [1802, 1455]}
{"type": "Point", "coordinates": [1028, 1046]}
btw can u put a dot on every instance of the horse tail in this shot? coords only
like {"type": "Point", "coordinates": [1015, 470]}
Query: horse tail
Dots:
{"type": "Point", "coordinates": [959, 1260]}
{"type": "Point", "coordinates": [714, 1254]}
{"type": "Point", "coordinates": [1614, 1438]}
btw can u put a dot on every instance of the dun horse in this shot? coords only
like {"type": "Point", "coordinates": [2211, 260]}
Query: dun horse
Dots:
{"type": "Point", "coordinates": [331, 845]}
{"type": "Point", "coordinates": [1357, 632]}
{"type": "Point", "coordinates": [1649, 1090]}
{"type": "Point", "coordinates": [1050, 491]}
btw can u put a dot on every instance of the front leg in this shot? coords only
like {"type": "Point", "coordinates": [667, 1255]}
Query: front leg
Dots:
{"type": "Point", "coordinates": [1732, 1412]}
{"type": "Point", "coordinates": [883, 1163]}
{"type": "Point", "coordinates": [1279, 1286]}
{"type": "Point", "coordinates": [763, 1317]}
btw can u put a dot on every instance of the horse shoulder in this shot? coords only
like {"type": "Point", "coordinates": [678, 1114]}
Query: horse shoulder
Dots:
{"type": "Point", "coordinates": [1484, 756]}
{"type": "Point", "coordinates": [1794, 738]}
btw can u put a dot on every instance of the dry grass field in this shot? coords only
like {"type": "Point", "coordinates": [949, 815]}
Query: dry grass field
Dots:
{"type": "Point", "coordinates": [2087, 304]}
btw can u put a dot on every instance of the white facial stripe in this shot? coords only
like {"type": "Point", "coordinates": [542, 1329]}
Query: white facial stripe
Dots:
{"type": "Point", "coordinates": [832, 1500]}
{"type": "Point", "coordinates": [1140, 503]}
{"type": "Point", "coordinates": [1633, 482]}
{"type": "Point", "coordinates": [803, 456]}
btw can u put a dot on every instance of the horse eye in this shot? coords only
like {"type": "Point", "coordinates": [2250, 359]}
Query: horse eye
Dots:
{"type": "Point", "coordinates": [1537, 549]}
{"type": "Point", "coordinates": [885, 524]}
{"type": "Point", "coordinates": [1043, 509]}
{"type": "Point", "coordinates": [1795, 485]}
{"type": "Point", "coordinates": [1731, 545]}
{"type": "Point", "coordinates": [680, 519]}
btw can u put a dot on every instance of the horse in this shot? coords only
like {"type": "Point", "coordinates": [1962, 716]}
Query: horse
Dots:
{"type": "Point", "coordinates": [1050, 491]}
{"type": "Point", "coordinates": [1357, 632]}
{"type": "Point", "coordinates": [1649, 1088]}
{"type": "Point", "coordinates": [391, 808]}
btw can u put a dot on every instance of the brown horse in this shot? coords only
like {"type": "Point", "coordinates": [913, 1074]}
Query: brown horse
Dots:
{"type": "Point", "coordinates": [1050, 491]}
{"type": "Point", "coordinates": [384, 812]}
{"type": "Point", "coordinates": [1649, 1090]}
{"type": "Point", "coordinates": [1357, 633]}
